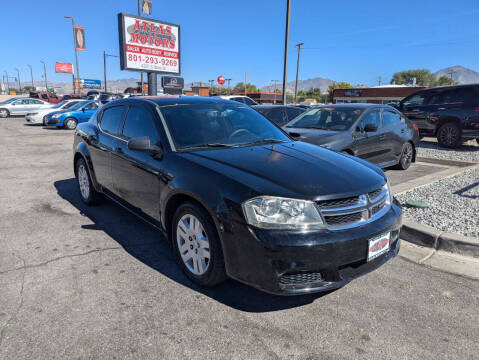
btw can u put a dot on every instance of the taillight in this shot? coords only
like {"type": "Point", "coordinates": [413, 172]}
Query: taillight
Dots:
{"type": "Point", "coordinates": [415, 127]}
{"type": "Point", "coordinates": [476, 109]}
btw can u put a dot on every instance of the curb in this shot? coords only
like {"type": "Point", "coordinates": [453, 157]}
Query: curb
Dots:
{"type": "Point", "coordinates": [423, 235]}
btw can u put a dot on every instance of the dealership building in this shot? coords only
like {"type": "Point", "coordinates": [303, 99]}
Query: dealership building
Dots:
{"type": "Point", "coordinates": [375, 95]}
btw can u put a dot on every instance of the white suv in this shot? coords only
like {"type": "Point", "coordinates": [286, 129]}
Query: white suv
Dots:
{"type": "Point", "coordinates": [239, 98]}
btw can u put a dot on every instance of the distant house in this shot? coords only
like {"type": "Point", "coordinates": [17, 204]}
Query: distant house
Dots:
{"type": "Point", "coordinates": [375, 95]}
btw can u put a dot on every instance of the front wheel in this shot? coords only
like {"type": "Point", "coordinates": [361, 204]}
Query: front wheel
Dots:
{"type": "Point", "coordinates": [88, 193]}
{"type": "Point", "coordinates": [449, 135]}
{"type": "Point", "coordinates": [70, 124]}
{"type": "Point", "coordinates": [197, 246]}
{"type": "Point", "coordinates": [4, 113]}
{"type": "Point", "coordinates": [407, 155]}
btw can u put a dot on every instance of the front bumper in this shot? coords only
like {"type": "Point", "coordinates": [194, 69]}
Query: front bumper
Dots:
{"type": "Point", "coordinates": [34, 119]}
{"type": "Point", "coordinates": [49, 122]}
{"type": "Point", "coordinates": [290, 263]}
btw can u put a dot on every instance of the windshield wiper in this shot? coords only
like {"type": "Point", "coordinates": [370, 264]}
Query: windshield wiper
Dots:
{"type": "Point", "coordinates": [210, 145]}
{"type": "Point", "coordinates": [263, 141]}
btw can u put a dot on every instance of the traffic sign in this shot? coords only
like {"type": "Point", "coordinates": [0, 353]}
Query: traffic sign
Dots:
{"type": "Point", "coordinates": [221, 79]}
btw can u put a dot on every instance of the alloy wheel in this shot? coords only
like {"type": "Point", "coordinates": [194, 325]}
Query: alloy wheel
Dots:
{"type": "Point", "coordinates": [83, 182]}
{"type": "Point", "coordinates": [449, 135]}
{"type": "Point", "coordinates": [407, 155]}
{"type": "Point", "coordinates": [70, 124]}
{"type": "Point", "coordinates": [193, 244]}
{"type": "Point", "coordinates": [3, 113]}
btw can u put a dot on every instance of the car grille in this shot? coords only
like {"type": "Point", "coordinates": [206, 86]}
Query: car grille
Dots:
{"type": "Point", "coordinates": [354, 211]}
{"type": "Point", "coordinates": [294, 280]}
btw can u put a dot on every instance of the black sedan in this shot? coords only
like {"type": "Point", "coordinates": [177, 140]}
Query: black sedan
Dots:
{"type": "Point", "coordinates": [280, 114]}
{"type": "Point", "coordinates": [236, 196]}
{"type": "Point", "coordinates": [377, 133]}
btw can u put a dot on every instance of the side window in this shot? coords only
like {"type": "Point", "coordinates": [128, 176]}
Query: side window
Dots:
{"type": "Point", "coordinates": [371, 118]}
{"type": "Point", "coordinates": [36, 102]}
{"type": "Point", "coordinates": [391, 118]}
{"type": "Point", "coordinates": [238, 99]}
{"type": "Point", "coordinates": [45, 96]}
{"type": "Point", "coordinates": [112, 119]}
{"type": "Point", "coordinates": [18, 102]}
{"type": "Point", "coordinates": [248, 101]}
{"type": "Point", "coordinates": [140, 122]}
{"type": "Point", "coordinates": [415, 100]}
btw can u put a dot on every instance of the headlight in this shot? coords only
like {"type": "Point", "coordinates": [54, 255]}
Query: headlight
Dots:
{"type": "Point", "coordinates": [56, 116]}
{"type": "Point", "coordinates": [268, 212]}
{"type": "Point", "coordinates": [390, 193]}
{"type": "Point", "coordinates": [31, 114]}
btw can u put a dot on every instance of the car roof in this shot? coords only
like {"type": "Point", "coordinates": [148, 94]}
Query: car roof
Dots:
{"type": "Point", "coordinates": [176, 99]}
{"type": "Point", "coordinates": [349, 105]}
{"type": "Point", "coordinates": [272, 106]}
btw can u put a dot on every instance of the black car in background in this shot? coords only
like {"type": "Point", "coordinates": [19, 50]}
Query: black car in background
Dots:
{"type": "Point", "coordinates": [236, 196]}
{"type": "Point", "coordinates": [377, 133]}
{"type": "Point", "coordinates": [280, 114]}
{"type": "Point", "coordinates": [451, 113]}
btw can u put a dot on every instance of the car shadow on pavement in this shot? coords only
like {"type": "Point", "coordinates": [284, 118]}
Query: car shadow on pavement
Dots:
{"type": "Point", "coordinates": [149, 246]}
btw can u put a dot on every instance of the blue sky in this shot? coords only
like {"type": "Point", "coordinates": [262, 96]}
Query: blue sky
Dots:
{"type": "Point", "coordinates": [354, 41]}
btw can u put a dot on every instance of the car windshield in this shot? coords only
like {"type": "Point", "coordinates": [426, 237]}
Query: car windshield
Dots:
{"type": "Point", "coordinates": [8, 101]}
{"type": "Point", "coordinates": [78, 105]}
{"type": "Point", "coordinates": [218, 125]}
{"type": "Point", "coordinates": [326, 118]}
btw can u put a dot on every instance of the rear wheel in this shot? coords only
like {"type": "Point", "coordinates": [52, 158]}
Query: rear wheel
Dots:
{"type": "Point", "coordinates": [477, 140]}
{"type": "Point", "coordinates": [407, 155]}
{"type": "Point", "coordinates": [70, 124]}
{"type": "Point", "coordinates": [88, 193]}
{"type": "Point", "coordinates": [449, 135]}
{"type": "Point", "coordinates": [197, 246]}
{"type": "Point", "coordinates": [4, 113]}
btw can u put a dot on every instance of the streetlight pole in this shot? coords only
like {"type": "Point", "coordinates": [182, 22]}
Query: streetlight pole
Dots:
{"type": "Point", "coordinates": [229, 88]}
{"type": "Point", "coordinates": [6, 76]}
{"type": "Point", "coordinates": [297, 71]}
{"type": "Point", "coordinates": [45, 74]}
{"type": "Point", "coordinates": [76, 52]}
{"type": "Point", "coordinates": [31, 75]}
{"type": "Point", "coordinates": [142, 86]}
{"type": "Point", "coordinates": [18, 79]}
{"type": "Point", "coordinates": [286, 45]}
{"type": "Point", "coordinates": [104, 66]}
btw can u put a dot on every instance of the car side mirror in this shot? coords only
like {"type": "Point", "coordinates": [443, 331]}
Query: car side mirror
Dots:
{"type": "Point", "coordinates": [370, 128]}
{"type": "Point", "coordinates": [143, 144]}
{"type": "Point", "coordinates": [83, 109]}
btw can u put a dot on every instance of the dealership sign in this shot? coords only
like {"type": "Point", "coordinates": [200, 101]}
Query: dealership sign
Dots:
{"type": "Point", "coordinates": [148, 45]}
{"type": "Point", "coordinates": [90, 84]}
{"type": "Point", "coordinates": [65, 68]}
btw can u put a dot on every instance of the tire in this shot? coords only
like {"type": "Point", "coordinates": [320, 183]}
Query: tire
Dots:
{"type": "Point", "coordinates": [407, 155]}
{"type": "Point", "coordinates": [477, 140]}
{"type": "Point", "coordinates": [191, 246]}
{"type": "Point", "coordinates": [43, 121]}
{"type": "Point", "coordinates": [70, 124]}
{"type": "Point", "coordinates": [4, 113]}
{"type": "Point", "coordinates": [87, 192]}
{"type": "Point", "coordinates": [449, 135]}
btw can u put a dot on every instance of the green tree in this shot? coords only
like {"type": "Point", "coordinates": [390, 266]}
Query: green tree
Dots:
{"type": "Point", "coordinates": [239, 88]}
{"type": "Point", "coordinates": [338, 85]}
{"type": "Point", "coordinates": [220, 90]}
{"type": "Point", "coordinates": [444, 81]}
{"type": "Point", "coordinates": [314, 93]}
{"type": "Point", "coordinates": [423, 77]}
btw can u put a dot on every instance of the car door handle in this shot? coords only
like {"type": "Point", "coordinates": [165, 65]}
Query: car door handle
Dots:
{"type": "Point", "coordinates": [416, 110]}
{"type": "Point", "coordinates": [119, 150]}
{"type": "Point", "coordinates": [402, 131]}
{"type": "Point", "coordinates": [441, 108]}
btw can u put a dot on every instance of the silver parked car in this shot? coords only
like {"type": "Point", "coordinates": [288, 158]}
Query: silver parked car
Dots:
{"type": "Point", "coordinates": [22, 106]}
{"type": "Point", "coordinates": [38, 116]}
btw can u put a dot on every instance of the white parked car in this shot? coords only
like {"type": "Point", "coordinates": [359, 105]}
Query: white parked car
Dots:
{"type": "Point", "coordinates": [38, 116]}
{"type": "Point", "coordinates": [239, 98]}
{"type": "Point", "coordinates": [21, 106]}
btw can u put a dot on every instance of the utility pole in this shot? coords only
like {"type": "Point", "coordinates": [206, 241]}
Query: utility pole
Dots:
{"type": "Point", "coordinates": [31, 75]}
{"type": "Point", "coordinates": [18, 79]}
{"type": "Point", "coordinates": [451, 73]}
{"type": "Point", "coordinates": [104, 67]}
{"type": "Point", "coordinates": [45, 74]}
{"type": "Point", "coordinates": [286, 45]}
{"type": "Point", "coordinates": [8, 85]}
{"type": "Point", "coordinates": [76, 53]}
{"type": "Point", "coordinates": [297, 71]}
{"type": "Point", "coordinates": [380, 80]}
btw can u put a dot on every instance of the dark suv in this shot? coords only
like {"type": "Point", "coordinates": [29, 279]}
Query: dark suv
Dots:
{"type": "Point", "coordinates": [450, 113]}
{"type": "Point", "coordinates": [236, 195]}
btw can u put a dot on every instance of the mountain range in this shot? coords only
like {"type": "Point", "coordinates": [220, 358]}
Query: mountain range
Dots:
{"type": "Point", "coordinates": [460, 74]}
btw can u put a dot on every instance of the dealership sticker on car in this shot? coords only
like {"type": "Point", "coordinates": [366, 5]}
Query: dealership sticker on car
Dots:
{"type": "Point", "coordinates": [378, 246]}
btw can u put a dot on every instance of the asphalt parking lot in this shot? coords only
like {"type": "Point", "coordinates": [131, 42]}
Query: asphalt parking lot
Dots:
{"type": "Point", "coordinates": [80, 282]}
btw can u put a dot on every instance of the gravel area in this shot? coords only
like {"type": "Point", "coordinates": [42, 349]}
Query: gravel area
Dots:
{"type": "Point", "coordinates": [453, 203]}
{"type": "Point", "coordinates": [469, 151]}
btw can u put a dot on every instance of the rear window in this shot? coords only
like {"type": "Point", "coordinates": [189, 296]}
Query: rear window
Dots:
{"type": "Point", "coordinates": [275, 114]}
{"type": "Point", "coordinates": [415, 100]}
{"type": "Point", "coordinates": [327, 118]}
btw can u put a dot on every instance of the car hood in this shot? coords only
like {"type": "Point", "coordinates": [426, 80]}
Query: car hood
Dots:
{"type": "Point", "coordinates": [293, 169]}
{"type": "Point", "coordinates": [61, 112]}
